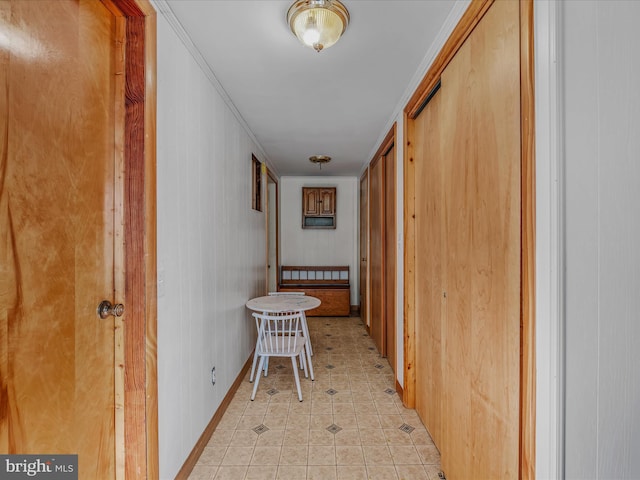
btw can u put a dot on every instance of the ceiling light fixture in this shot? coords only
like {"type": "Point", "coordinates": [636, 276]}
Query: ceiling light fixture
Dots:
{"type": "Point", "coordinates": [320, 159]}
{"type": "Point", "coordinates": [318, 23]}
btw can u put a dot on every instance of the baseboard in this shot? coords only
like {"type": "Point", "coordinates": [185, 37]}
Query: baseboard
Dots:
{"type": "Point", "coordinates": [355, 311]}
{"type": "Point", "coordinates": [399, 389]}
{"type": "Point", "coordinates": [202, 442]}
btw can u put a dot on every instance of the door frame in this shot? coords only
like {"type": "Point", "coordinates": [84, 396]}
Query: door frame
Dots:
{"type": "Point", "coordinates": [363, 281]}
{"type": "Point", "coordinates": [380, 156]}
{"type": "Point", "coordinates": [136, 429]}
{"type": "Point", "coordinates": [271, 178]}
{"type": "Point", "coordinates": [463, 29]}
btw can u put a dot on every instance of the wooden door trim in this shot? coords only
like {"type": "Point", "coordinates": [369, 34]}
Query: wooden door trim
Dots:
{"type": "Point", "coordinates": [390, 283]}
{"type": "Point", "coordinates": [528, 247]}
{"type": "Point", "coordinates": [137, 444]}
{"type": "Point", "coordinates": [376, 159]}
{"type": "Point", "coordinates": [273, 178]}
{"type": "Point", "coordinates": [463, 29]}
{"type": "Point", "coordinates": [386, 145]}
{"type": "Point", "coordinates": [465, 26]}
{"type": "Point", "coordinates": [364, 283]}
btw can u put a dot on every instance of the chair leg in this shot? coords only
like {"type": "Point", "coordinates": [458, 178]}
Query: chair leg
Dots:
{"type": "Point", "coordinates": [305, 331]}
{"type": "Point", "coordinates": [309, 364]}
{"type": "Point", "coordinates": [303, 364]}
{"type": "Point", "coordinates": [297, 377]}
{"type": "Point", "coordinates": [255, 384]}
{"type": "Point", "coordinates": [253, 365]}
{"type": "Point", "coordinates": [266, 366]}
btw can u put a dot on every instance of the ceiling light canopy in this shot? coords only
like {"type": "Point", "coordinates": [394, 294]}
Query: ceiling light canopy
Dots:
{"type": "Point", "coordinates": [318, 23]}
{"type": "Point", "coordinates": [320, 159]}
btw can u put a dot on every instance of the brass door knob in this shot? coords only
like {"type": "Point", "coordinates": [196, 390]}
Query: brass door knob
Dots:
{"type": "Point", "coordinates": [106, 308]}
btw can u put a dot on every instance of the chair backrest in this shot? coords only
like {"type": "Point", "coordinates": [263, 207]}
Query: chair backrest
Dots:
{"type": "Point", "coordinates": [279, 334]}
{"type": "Point", "coordinates": [273, 294]}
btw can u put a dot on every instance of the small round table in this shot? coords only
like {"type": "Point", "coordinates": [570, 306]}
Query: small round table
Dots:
{"type": "Point", "coordinates": [279, 304]}
{"type": "Point", "coordinates": [283, 303]}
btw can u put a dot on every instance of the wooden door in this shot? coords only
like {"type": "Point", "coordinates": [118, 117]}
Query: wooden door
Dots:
{"type": "Point", "coordinates": [364, 243]}
{"type": "Point", "coordinates": [466, 144]}
{"type": "Point", "coordinates": [376, 254]}
{"type": "Point", "coordinates": [481, 144]}
{"type": "Point", "coordinates": [429, 253]}
{"type": "Point", "coordinates": [62, 115]}
{"type": "Point", "coordinates": [389, 257]}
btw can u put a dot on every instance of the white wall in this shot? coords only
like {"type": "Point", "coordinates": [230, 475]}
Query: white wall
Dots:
{"type": "Point", "coordinates": [321, 247]}
{"type": "Point", "coordinates": [601, 69]}
{"type": "Point", "coordinates": [211, 252]}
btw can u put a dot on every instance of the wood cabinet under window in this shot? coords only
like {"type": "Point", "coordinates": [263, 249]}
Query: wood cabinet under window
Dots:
{"type": "Point", "coordinates": [318, 207]}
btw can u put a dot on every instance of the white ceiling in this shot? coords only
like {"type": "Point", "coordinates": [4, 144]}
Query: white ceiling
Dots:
{"type": "Point", "coordinates": [339, 102]}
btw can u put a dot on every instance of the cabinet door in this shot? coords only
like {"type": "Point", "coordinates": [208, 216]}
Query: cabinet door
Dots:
{"type": "Point", "coordinates": [327, 201]}
{"type": "Point", "coordinates": [310, 201]}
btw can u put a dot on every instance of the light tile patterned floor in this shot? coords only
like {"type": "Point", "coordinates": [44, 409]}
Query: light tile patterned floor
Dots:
{"type": "Point", "coordinates": [350, 425]}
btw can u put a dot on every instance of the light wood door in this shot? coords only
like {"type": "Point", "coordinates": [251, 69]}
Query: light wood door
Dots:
{"type": "Point", "coordinates": [364, 243]}
{"type": "Point", "coordinates": [389, 257]}
{"type": "Point", "coordinates": [429, 253]}
{"type": "Point", "coordinates": [467, 147]}
{"type": "Point", "coordinates": [59, 212]}
{"type": "Point", "coordinates": [376, 254]}
{"type": "Point", "coordinates": [481, 123]}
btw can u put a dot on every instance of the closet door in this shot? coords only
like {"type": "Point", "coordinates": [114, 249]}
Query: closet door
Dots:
{"type": "Point", "coordinates": [389, 257]}
{"type": "Point", "coordinates": [480, 123]}
{"type": "Point", "coordinates": [376, 253]}
{"type": "Point", "coordinates": [466, 144]}
{"type": "Point", "coordinates": [429, 254]}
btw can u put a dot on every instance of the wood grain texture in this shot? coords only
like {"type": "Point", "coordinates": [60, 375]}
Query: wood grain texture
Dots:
{"type": "Point", "coordinates": [150, 238]}
{"type": "Point", "coordinates": [376, 253]}
{"type": "Point", "coordinates": [528, 278]}
{"type": "Point", "coordinates": [364, 247]}
{"type": "Point", "coordinates": [465, 26]}
{"type": "Point", "coordinates": [57, 195]}
{"type": "Point", "coordinates": [135, 250]}
{"type": "Point", "coordinates": [389, 259]}
{"type": "Point", "coordinates": [382, 197]}
{"type": "Point", "coordinates": [119, 274]}
{"type": "Point", "coordinates": [473, 219]}
{"type": "Point", "coordinates": [481, 125]}
{"type": "Point", "coordinates": [335, 301]}
{"type": "Point", "coordinates": [409, 206]}
{"type": "Point", "coordinates": [429, 254]}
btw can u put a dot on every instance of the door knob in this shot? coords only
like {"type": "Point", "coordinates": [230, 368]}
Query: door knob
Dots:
{"type": "Point", "coordinates": [106, 308]}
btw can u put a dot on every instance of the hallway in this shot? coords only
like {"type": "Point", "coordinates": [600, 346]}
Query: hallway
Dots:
{"type": "Point", "coordinates": [351, 424]}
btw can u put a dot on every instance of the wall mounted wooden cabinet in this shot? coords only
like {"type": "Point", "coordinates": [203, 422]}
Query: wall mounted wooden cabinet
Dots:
{"type": "Point", "coordinates": [318, 207]}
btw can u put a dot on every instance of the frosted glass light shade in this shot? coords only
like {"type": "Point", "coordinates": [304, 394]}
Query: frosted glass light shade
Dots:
{"type": "Point", "coordinates": [318, 23]}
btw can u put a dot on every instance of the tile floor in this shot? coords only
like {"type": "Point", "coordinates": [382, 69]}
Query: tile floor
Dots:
{"type": "Point", "coordinates": [350, 425]}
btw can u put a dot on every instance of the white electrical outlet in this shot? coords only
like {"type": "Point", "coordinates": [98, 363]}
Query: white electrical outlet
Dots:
{"type": "Point", "coordinates": [213, 376]}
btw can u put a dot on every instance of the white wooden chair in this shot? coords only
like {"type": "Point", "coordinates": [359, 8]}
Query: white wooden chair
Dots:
{"type": "Point", "coordinates": [281, 336]}
{"type": "Point", "coordinates": [305, 332]}
{"type": "Point", "coordinates": [305, 327]}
